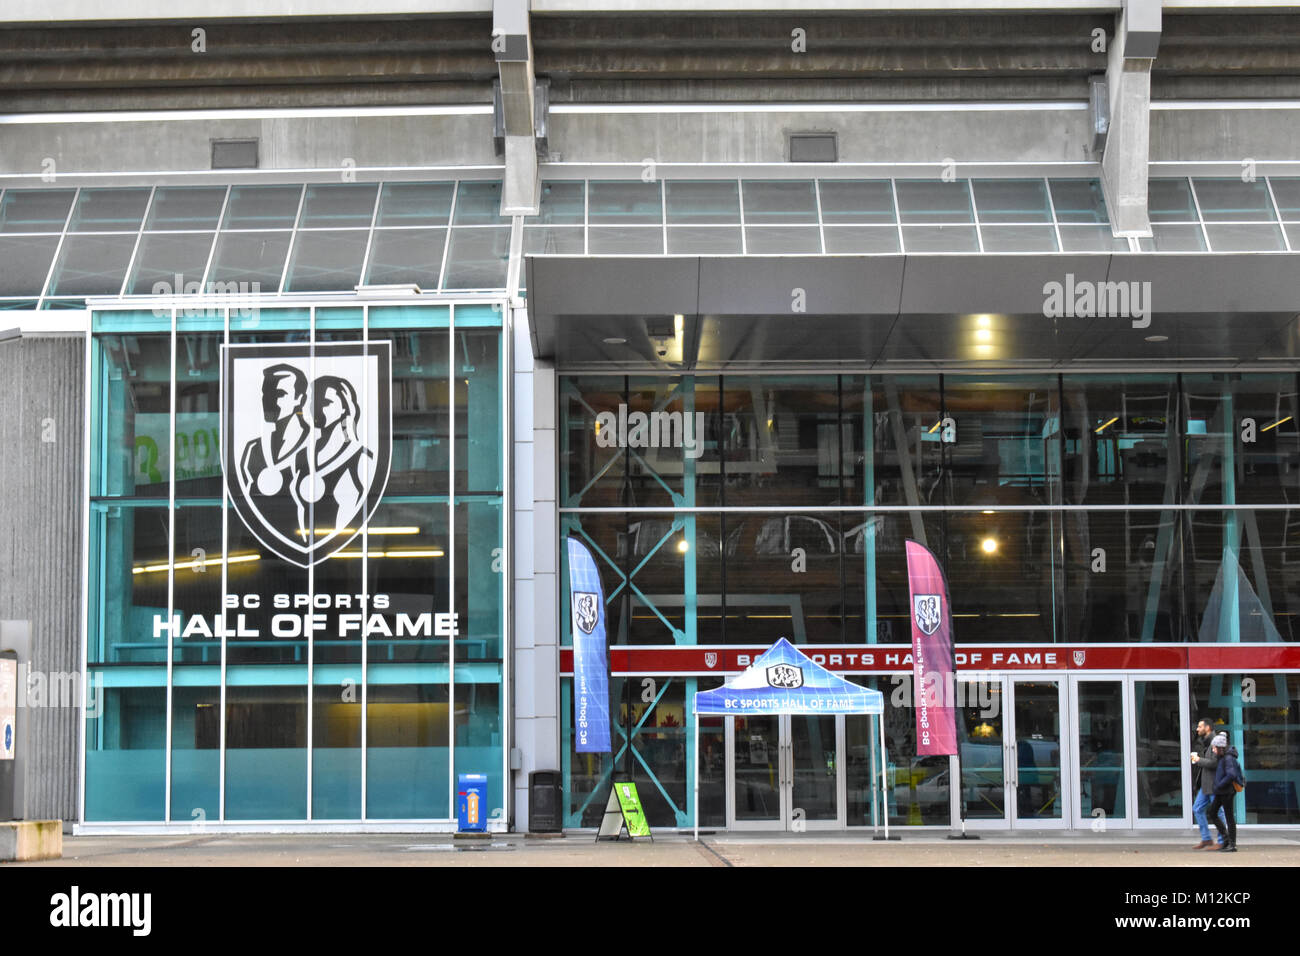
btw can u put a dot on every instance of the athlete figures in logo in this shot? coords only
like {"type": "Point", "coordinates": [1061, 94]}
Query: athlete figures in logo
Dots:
{"type": "Point", "coordinates": [335, 485]}
{"type": "Point", "coordinates": [271, 464]}
{"type": "Point", "coordinates": [299, 466]}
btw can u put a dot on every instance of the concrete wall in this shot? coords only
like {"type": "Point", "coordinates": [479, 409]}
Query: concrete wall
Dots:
{"type": "Point", "coordinates": [41, 433]}
{"type": "Point", "coordinates": [285, 143]}
{"type": "Point", "coordinates": [536, 567]}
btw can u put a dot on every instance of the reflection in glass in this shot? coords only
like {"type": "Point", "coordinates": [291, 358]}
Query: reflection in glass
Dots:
{"type": "Point", "coordinates": [757, 772]}
{"type": "Point", "coordinates": [815, 761]}
{"type": "Point", "coordinates": [1160, 750]}
{"type": "Point", "coordinates": [982, 780]}
{"type": "Point", "coordinates": [1101, 749]}
{"type": "Point", "coordinates": [1038, 750]}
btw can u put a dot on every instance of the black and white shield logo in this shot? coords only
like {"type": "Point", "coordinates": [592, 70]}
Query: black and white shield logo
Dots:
{"type": "Point", "coordinates": [927, 612]}
{"type": "Point", "coordinates": [306, 441]}
{"type": "Point", "coordinates": [585, 611]}
{"type": "Point", "coordinates": [787, 676]}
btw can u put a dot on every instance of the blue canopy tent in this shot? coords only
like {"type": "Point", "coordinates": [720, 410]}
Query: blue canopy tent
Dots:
{"type": "Point", "coordinates": [784, 680]}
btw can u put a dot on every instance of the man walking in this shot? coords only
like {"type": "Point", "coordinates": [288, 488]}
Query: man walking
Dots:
{"type": "Point", "coordinates": [1203, 763]}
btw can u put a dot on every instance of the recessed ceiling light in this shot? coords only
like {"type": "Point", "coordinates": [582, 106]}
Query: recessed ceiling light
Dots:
{"type": "Point", "coordinates": [1157, 338]}
{"type": "Point", "coordinates": [614, 340]}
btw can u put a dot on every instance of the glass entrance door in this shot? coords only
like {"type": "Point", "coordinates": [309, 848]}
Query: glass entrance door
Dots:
{"type": "Point", "coordinates": [1036, 753]}
{"type": "Point", "coordinates": [785, 772]}
{"type": "Point", "coordinates": [1132, 736]}
{"type": "Point", "coordinates": [1012, 758]}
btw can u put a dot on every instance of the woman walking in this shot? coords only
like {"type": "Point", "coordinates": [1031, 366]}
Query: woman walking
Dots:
{"type": "Point", "coordinates": [1226, 774]}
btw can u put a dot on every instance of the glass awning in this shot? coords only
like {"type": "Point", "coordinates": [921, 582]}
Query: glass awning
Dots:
{"type": "Point", "coordinates": [60, 245]}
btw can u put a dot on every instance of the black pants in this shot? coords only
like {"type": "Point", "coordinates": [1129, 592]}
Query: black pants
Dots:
{"type": "Point", "coordinates": [1224, 801]}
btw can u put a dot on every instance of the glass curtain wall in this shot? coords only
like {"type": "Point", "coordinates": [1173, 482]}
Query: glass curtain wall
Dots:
{"type": "Point", "coordinates": [1065, 509]}
{"type": "Point", "coordinates": [240, 679]}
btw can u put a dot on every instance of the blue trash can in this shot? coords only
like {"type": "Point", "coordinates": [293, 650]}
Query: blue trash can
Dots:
{"type": "Point", "coordinates": [471, 802]}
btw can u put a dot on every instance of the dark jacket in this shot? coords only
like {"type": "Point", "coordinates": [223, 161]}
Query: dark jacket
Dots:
{"type": "Point", "coordinates": [1227, 770]}
{"type": "Point", "coordinates": [1203, 769]}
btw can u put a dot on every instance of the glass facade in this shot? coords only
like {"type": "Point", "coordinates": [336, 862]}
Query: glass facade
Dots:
{"type": "Point", "coordinates": [1067, 509]}
{"type": "Point", "coordinates": [243, 681]}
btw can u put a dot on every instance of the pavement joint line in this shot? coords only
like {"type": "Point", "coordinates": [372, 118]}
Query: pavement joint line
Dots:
{"type": "Point", "coordinates": [704, 845]}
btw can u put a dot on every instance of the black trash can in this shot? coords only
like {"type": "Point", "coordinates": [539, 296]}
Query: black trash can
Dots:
{"type": "Point", "coordinates": [544, 801]}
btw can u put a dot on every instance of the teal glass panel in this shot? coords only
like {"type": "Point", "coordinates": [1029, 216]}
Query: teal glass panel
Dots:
{"type": "Point", "coordinates": [131, 423]}
{"type": "Point", "coordinates": [91, 265]}
{"type": "Point", "coordinates": [478, 204]}
{"type": "Point", "coordinates": [1234, 200]}
{"type": "Point", "coordinates": [1174, 237]}
{"type": "Point", "coordinates": [480, 566]}
{"type": "Point", "coordinates": [923, 200]}
{"type": "Point", "coordinates": [1019, 238]}
{"type": "Point", "coordinates": [408, 317]}
{"type": "Point", "coordinates": [857, 201]}
{"type": "Point", "coordinates": [477, 377]}
{"type": "Point", "coordinates": [262, 207]}
{"type": "Point", "coordinates": [346, 319]}
{"type": "Point", "coordinates": [478, 316]}
{"type": "Point", "coordinates": [254, 261]}
{"type": "Point", "coordinates": [262, 325]}
{"type": "Point", "coordinates": [1170, 200]}
{"type": "Point", "coordinates": [408, 563]}
{"type": "Point", "coordinates": [1245, 237]}
{"type": "Point", "coordinates": [478, 741]}
{"type": "Point", "coordinates": [27, 263]}
{"type": "Point", "coordinates": [170, 264]}
{"type": "Point", "coordinates": [716, 202]}
{"type": "Point", "coordinates": [338, 205]}
{"type": "Point", "coordinates": [406, 257]}
{"type": "Point", "coordinates": [196, 590]}
{"type": "Point", "coordinates": [126, 754]}
{"type": "Point", "coordinates": [109, 210]}
{"type": "Point", "coordinates": [336, 751]}
{"type": "Point", "coordinates": [131, 320]}
{"type": "Point", "coordinates": [624, 202]}
{"type": "Point", "coordinates": [1012, 200]}
{"type": "Point", "coordinates": [407, 736]}
{"type": "Point", "coordinates": [415, 204]}
{"type": "Point", "coordinates": [1078, 201]}
{"type": "Point", "coordinates": [861, 239]}
{"type": "Point", "coordinates": [35, 210]}
{"type": "Point", "coordinates": [477, 259]}
{"type": "Point", "coordinates": [196, 444]}
{"type": "Point", "coordinates": [328, 260]}
{"type": "Point", "coordinates": [185, 207]}
{"type": "Point", "coordinates": [779, 201]}
{"type": "Point", "coordinates": [266, 753]}
{"type": "Point", "coordinates": [421, 449]}
{"type": "Point", "coordinates": [196, 753]}
{"type": "Point", "coordinates": [1286, 192]}
{"type": "Point", "coordinates": [561, 203]}
{"type": "Point", "coordinates": [128, 583]}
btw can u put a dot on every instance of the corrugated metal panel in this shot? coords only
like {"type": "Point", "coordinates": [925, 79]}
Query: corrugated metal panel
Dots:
{"type": "Point", "coordinates": [41, 423]}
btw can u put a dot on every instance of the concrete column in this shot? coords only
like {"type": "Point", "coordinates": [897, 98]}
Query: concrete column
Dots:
{"type": "Point", "coordinates": [536, 568]}
{"type": "Point", "coordinates": [1125, 161]}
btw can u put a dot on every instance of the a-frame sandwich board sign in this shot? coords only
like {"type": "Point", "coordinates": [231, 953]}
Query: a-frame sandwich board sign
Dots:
{"type": "Point", "coordinates": [623, 809]}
